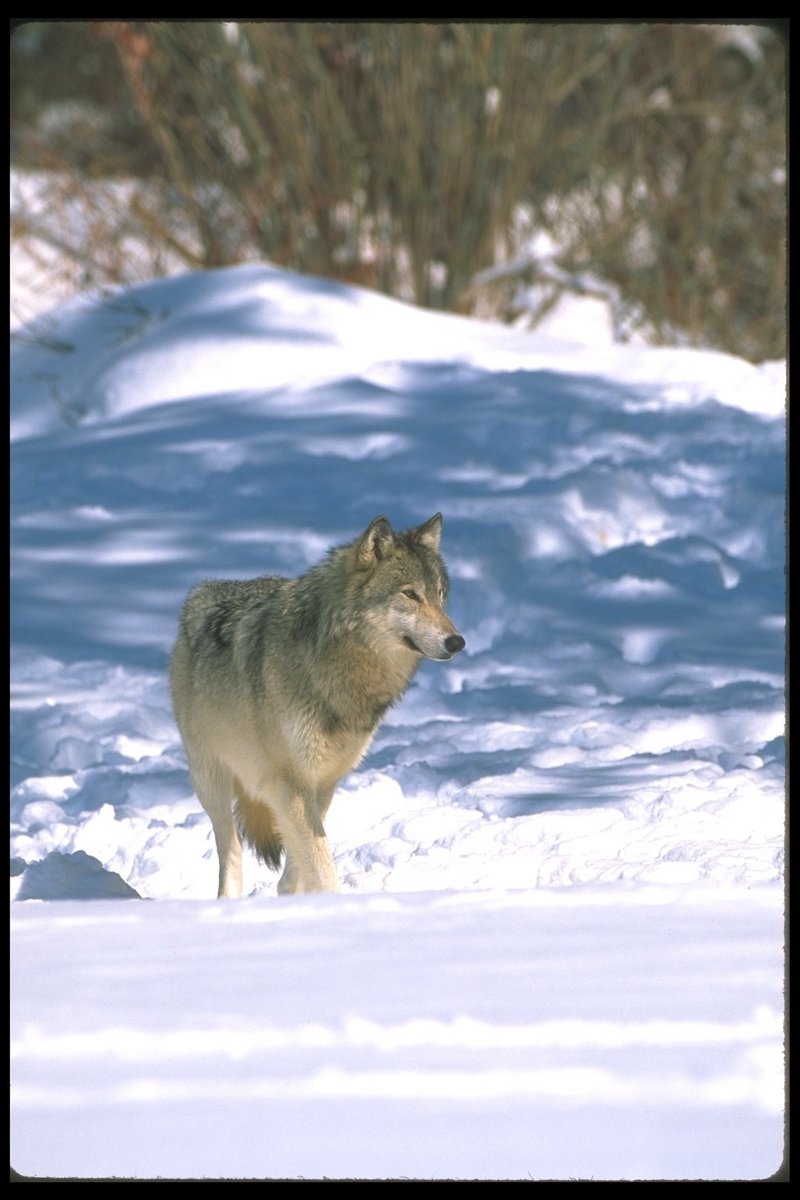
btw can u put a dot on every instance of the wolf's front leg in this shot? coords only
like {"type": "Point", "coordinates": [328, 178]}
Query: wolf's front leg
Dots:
{"type": "Point", "coordinates": [309, 863]}
{"type": "Point", "coordinates": [314, 871]}
{"type": "Point", "coordinates": [288, 883]}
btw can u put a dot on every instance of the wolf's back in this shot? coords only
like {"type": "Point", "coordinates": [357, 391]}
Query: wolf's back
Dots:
{"type": "Point", "coordinates": [219, 653]}
{"type": "Point", "coordinates": [213, 611]}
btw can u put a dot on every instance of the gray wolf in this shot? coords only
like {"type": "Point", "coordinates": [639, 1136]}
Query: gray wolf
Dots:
{"type": "Point", "coordinates": [278, 686]}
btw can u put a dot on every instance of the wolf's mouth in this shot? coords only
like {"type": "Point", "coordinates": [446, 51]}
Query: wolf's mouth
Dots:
{"type": "Point", "coordinates": [411, 645]}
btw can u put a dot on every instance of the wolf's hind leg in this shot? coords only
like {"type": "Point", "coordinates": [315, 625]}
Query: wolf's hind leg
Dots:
{"type": "Point", "coordinates": [214, 787]}
{"type": "Point", "coordinates": [229, 850]}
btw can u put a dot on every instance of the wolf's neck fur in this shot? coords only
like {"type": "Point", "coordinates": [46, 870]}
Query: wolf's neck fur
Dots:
{"type": "Point", "coordinates": [366, 674]}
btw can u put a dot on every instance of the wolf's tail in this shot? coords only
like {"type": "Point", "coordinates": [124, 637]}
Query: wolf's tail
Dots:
{"type": "Point", "coordinates": [257, 827]}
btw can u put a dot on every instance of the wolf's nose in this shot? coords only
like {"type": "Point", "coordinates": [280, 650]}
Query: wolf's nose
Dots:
{"type": "Point", "coordinates": [454, 643]}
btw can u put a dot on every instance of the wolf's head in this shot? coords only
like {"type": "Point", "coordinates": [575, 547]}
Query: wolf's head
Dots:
{"type": "Point", "coordinates": [402, 581]}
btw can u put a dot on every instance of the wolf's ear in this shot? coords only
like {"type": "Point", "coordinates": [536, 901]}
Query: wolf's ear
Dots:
{"type": "Point", "coordinates": [430, 534]}
{"type": "Point", "coordinates": [375, 543]}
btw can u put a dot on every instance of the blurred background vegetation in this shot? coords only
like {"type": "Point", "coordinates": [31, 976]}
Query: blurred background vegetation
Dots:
{"type": "Point", "coordinates": [428, 161]}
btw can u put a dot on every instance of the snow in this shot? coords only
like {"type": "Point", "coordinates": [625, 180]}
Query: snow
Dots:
{"type": "Point", "coordinates": [558, 950]}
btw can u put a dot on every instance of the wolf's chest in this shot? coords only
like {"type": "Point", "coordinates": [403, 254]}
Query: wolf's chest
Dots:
{"type": "Point", "coordinates": [325, 755]}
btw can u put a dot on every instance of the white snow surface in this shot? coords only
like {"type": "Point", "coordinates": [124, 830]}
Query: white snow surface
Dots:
{"type": "Point", "coordinates": [558, 949]}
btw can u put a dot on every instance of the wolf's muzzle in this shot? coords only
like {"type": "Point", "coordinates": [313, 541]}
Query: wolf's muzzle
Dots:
{"type": "Point", "coordinates": [454, 643]}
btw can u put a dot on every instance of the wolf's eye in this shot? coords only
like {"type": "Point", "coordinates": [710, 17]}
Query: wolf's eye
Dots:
{"type": "Point", "coordinates": [412, 595]}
